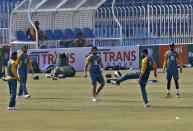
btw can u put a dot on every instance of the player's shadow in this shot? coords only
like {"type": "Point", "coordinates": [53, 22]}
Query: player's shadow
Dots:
{"type": "Point", "coordinates": [176, 107]}
{"type": "Point", "coordinates": [56, 110]}
{"type": "Point", "coordinates": [121, 101]}
{"type": "Point", "coordinates": [50, 98]}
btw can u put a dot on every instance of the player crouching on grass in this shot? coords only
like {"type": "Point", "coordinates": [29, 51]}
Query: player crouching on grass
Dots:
{"type": "Point", "coordinates": [171, 60]}
{"type": "Point", "coordinates": [147, 65]}
{"type": "Point", "coordinates": [96, 68]}
{"type": "Point", "coordinates": [12, 80]}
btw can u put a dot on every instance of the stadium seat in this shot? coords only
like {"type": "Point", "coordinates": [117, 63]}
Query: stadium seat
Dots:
{"type": "Point", "coordinates": [53, 47]}
{"type": "Point", "coordinates": [21, 36]}
{"type": "Point", "coordinates": [60, 35]}
{"type": "Point", "coordinates": [43, 47]}
{"type": "Point", "coordinates": [76, 31]}
{"type": "Point", "coordinates": [99, 32]}
{"type": "Point", "coordinates": [49, 35]}
{"type": "Point", "coordinates": [71, 46]}
{"type": "Point", "coordinates": [62, 46]}
{"type": "Point", "coordinates": [69, 34]}
{"type": "Point", "coordinates": [88, 33]}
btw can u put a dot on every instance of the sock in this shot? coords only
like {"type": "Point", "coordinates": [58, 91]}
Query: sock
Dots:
{"type": "Point", "coordinates": [168, 91]}
{"type": "Point", "coordinates": [177, 91]}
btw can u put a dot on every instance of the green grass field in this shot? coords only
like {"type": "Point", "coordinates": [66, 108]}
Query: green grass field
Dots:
{"type": "Point", "coordinates": [66, 105]}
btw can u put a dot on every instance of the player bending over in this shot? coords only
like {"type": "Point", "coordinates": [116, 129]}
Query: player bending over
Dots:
{"type": "Point", "coordinates": [96, 66]}
{"type": "Point", "coordinates": [171, 60]}
{"type": "Point", "coordinates": [147, 65]}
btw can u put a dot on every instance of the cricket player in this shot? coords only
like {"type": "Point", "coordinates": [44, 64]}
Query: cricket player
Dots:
{"type": "Point", "coordinates": [147, 65]}
{"type": "Point", "coordinates": [96, 67]}
{"type": "Point", "coordinates": [171, 60]}
{"type": "Point", "coordinates": [23, 62]}
{"type": "Point", "coordinates": [12, 80]}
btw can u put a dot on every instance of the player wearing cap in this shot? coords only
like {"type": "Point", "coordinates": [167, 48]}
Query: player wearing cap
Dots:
{"type": "Point", "coordinates": [12, 80]}
{"type": "Point", "coordinates": [171, 60]}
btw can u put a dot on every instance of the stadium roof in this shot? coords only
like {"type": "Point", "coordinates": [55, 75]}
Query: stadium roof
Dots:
{"type": "Point", "coordinates": [60, 5]}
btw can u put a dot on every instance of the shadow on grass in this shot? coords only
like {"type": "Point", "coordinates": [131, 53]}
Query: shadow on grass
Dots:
{"type": "Point", "coordinates": [50, 98]}
{"type": "Point", "coordinates": [176, 107]}
{"type": "Point", "coordinates": [121, 101]}
{"type": "Point", "coordinates": [57, 110]}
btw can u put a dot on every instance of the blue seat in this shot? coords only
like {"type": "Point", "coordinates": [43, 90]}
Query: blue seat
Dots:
{"type": "Point", "coordinates": [49, 35]}
{"type": "Point", "coordinates": [88, 33]}
{"type": "Point", "coordinates": [53, 47]}
{"type": "Point", "coordinates": [71, 46]}
{"type": "Point", "coordinates": [62, 46]}
{"type": "Point", "coordinates": [43, 47]}
{"type": "Point", "coordinates": [21, 36]}
{"type": "Point", "coordinates": [60, 35]}
{"type": "Point", "coordinates": [99, 32]}
{"type": "Point", "coordinates": [69, 34]}
{"type": "Point", "coordinates": [77, 31]}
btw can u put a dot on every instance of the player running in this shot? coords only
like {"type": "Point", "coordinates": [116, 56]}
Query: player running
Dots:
{"type": "Point", "coordinates": [147, 65]}
{"type": "Point", "coordinates": [24, 61]}
{"type": "Point", "coordinates": [171, 60]}
{"type": "Point", "coordinates": [96, 67]}
{"type": "Point", "coordinates": [12, 80]}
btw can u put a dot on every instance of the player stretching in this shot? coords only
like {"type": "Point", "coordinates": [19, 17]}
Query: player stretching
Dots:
{"type": "Point", "coordinates": [24, 61]}
{"type": "Point", "coordinates": [12, 80]}
{"type": "Point", "coordinates": [172, 68]}
{"type": "Point", "coordinates": [147, 65]}
{"type": "Point", "coordinates": [96, 67]}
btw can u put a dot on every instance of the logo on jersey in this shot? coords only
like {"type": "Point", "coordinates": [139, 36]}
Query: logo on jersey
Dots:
{"type": "Point", "coordinates": [95, 62]}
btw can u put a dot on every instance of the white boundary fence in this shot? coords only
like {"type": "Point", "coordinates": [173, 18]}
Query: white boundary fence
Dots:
{"type": "Point", "coordinates": [145, 25]}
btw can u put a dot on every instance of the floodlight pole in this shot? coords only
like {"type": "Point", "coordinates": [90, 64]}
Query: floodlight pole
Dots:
{"type": "Point", "coordinates": [31, 22]}
{"type": "Point", "coordinates": [120, 26]}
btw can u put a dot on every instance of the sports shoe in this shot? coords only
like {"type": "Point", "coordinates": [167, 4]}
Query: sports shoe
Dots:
{"type": "Point", "coordinates": [27, 96]}
{"type": "Point", "coordinates": [20, 96]}
{"type": "Point", "coordinates": [97, 97]}
{"type": "Point", "coordinates": [168, 96]}
{"type": "Point", "coordinates": [12, 108]}
{"type": "Point", "coordinates": [94, 99]}
{"type": "Point", "coordinates": [114, 82]}
{"type": "Point", "coordinates": [177, 95]}
{"type": "Point", "coordinates": [147, 105]}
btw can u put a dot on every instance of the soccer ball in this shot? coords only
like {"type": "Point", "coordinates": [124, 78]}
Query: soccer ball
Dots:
{"type": "Point", "coordinates": [117, 74]}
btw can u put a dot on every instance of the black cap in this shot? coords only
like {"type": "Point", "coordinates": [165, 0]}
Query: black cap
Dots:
{"type": "Point", "coordinates": [24, 46]}
{"type": "Point", "coordinates": [172, 44]}
{"type": "Point", "coordinates": [37, 22]}
{"type": "Point", "coordinates": [145, 51]}
{"type": "Point", "coordinates": [94, 48]}
{"type": "Point", "coordinates": [13, 54]}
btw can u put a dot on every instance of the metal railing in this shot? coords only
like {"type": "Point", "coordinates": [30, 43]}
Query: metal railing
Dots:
{"type": "Point", "coordinates": [158, 24]}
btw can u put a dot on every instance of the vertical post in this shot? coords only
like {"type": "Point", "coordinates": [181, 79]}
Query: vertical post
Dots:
{"type": "Point", "coordinates": [121, 39]}
{"type": "Point", "coordinates": [30, 20]}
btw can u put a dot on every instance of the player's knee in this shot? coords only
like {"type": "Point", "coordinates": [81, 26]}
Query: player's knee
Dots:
{"type": "Point", "coordinates": [102, 84]}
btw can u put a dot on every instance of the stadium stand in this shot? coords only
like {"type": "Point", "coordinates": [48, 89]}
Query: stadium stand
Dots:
{"type": "Point", "coordinates": [145, 22]}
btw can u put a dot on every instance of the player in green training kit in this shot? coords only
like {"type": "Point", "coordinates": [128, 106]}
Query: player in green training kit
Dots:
{"type": "Point", "coordinates": [96, 68]}
{"type": "Point", "coordinates": [147, 65]}
{"type": "Point", "coordinates": [171, 60]}
{"type": "Point", "coordinates": [12, 80]}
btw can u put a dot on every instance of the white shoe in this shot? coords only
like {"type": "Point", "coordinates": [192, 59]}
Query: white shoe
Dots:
{"type": "Point", "coordinates": [12, 108]}
{"type": "Point", "coordinates": [27, 96]}
{"type": "Point", "coordinates": [114, 82]}
{"type": "Point", "coordinates": [97, 97]}
{"type": "Point", "coordinates": [94, 99]}
{"type": "Point", "coordinates": [20, 97]}
{"type": "Point", "coordinates": [147, 105]}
